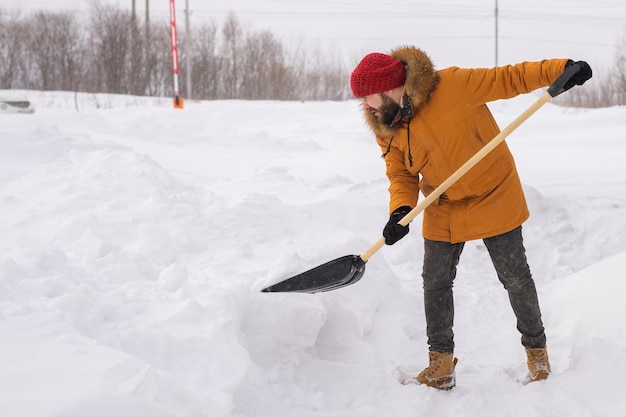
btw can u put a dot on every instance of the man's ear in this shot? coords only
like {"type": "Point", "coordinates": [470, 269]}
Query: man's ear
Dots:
{"type": "Point", "coordinates": [395, 94]}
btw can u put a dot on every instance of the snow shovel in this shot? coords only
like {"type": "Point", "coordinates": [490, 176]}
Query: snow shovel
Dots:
{"type": "Point", "coordinates": [349, 269]}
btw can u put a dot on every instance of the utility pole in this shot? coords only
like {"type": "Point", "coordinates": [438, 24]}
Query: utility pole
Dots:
{"type": "Point", "coordinates": [147, 28]}
{"type": "Point", "coordinates": [188, 49]}
{"type": "Point", "coordinates": [496, 35]}
{"type": "Point", "coordinates": [133, 11]}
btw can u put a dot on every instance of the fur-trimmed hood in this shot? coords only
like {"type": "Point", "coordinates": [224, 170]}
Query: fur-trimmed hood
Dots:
{"type": "Point", "coordinates": [421, 81]}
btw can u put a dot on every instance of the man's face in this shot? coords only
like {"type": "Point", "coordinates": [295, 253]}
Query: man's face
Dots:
{"type": "Point", "coordinates": [382, 106]}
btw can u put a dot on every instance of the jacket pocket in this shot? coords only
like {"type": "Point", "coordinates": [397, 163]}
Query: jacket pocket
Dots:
{"type": "Point", "coordinates": [490, 177]}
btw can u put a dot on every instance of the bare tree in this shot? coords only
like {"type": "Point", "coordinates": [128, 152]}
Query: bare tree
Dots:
{"type": "Point", "coordinates": [137, 80]}
{"type": "Point", "coordinates": [55, 46]}
{"type": "Point", "coordinates": [12, 42]}
{"type": "Point", "coordinates": [264, 73]}
{"type": "Point", "coordinates": [233, 34]}
{"type": "Point", "coordinates": [205, 61]}
{"type": "Point", "coordinates": [113, 53]}
{"type": "Point", "coordinates": [620, 73]}
{"type": "Point", "coordinates": [111, 47]}
{"type": "Point", "coordinates": [323, 78]}
{"type": "Point", "coordinates": [158, 61]}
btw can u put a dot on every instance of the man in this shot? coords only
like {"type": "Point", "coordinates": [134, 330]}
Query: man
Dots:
{"type": "Point", "coordinates": [428, 123]}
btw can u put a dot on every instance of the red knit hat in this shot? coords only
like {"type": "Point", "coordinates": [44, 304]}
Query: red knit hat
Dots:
{"type": "Point", "coordinates": [377, 73]}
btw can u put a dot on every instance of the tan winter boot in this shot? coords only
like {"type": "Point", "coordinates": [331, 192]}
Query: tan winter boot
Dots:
{"type": "Point", "coordinates": [440, 372]}
{"type": "Point", "coordinates": [538, 363]}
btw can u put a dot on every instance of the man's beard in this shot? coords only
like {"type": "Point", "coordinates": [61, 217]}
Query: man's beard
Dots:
{"type": "Point", "coordinates": [388, 110]}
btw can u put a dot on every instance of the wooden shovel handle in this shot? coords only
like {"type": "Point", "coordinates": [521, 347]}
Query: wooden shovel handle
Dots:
{"type": "Point", "coordinates": [462, 171]}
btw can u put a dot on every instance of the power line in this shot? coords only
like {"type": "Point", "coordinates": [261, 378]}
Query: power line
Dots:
{"type": "Point", "coordinates": [505, 15]}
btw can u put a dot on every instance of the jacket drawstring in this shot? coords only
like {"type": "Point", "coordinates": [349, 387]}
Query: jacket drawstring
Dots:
{"type": "Point", "coordinates": [388, 148]}
{"type": "Point", "coordinates": [408, 141]}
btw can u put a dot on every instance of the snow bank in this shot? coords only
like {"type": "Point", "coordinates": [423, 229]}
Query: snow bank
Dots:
{"type": "Point", "coordinates": [136, 238]}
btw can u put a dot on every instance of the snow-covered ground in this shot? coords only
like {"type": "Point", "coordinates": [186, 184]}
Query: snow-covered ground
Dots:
{"type": "Point", "coordinates": [135, 239]}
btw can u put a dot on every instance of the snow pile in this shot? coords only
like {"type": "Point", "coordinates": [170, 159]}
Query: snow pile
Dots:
{"type": "Point", "coordinates": [136, 237]}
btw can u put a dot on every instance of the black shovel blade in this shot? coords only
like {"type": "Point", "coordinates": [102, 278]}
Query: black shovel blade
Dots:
{"type": "Point", "coordinates": [329, 276]}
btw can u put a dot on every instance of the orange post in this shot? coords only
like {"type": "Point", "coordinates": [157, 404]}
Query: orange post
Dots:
{"type": "Point", "coordinates": [178, 101]}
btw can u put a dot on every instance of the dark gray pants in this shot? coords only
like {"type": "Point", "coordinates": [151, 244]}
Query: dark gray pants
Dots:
{"type": "Point", "coordinates": [509, 258]}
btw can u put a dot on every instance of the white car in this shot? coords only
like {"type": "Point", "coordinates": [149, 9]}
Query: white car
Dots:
{"type": "Point", "coordinates": [17, 104]}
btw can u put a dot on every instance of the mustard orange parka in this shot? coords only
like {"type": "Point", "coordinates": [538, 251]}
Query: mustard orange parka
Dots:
{"type": "Point", "coordinates": [450, 123]}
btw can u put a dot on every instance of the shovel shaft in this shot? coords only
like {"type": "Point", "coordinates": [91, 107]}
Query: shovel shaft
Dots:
{"type": "Point", "coordinates": [349, 269]}
{"type": "Point", "coordinates": [374, 248]}
{"type": "Point", "coordinates": [462, 170]}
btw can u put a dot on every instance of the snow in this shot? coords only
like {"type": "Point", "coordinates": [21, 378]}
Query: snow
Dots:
{"type": "Point", "coordinates": [136, 237]}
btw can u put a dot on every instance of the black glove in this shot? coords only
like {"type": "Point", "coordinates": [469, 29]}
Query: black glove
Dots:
{"type": "Point", "coordinates": [393, 231]}
{"type": "Point", "coordinates": [583, 74]}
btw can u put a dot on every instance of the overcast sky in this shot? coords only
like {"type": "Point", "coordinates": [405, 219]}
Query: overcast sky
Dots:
{"type": "Point", "coordinates": [452, 32]}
